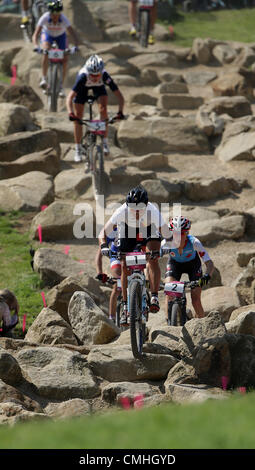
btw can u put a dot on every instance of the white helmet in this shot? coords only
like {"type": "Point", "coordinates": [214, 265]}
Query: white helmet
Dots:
{"type": "Point", "coordinates": [94, 64]}
{"type": "Point", "coordinates": [179, 223]}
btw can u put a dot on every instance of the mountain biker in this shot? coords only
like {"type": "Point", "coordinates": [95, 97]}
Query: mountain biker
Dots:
{"type": "Point", "coordinates": [115, 268]}
{"type": "Point", "coordinates": [186, 259]}
{"type": "Point", "coordinates": [24, 11]}
{"type": "Point", "coordinates": [132, 10]}
{"type": "Point", "coordinates": [8, 303]}
{"type": "Point", "coordinates": [92, 76]}
{"type": "Point", "coordinates": [138, 222]}
{"type": "Point", "coordinates": [53, 27]}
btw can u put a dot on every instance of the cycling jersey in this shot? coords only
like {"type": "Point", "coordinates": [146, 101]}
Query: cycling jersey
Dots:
{"type": "Point", "coordinates": [54, 29]}
{"type": "Point", "coordinates": [83, 81]}
{"type": "Point", "coordinates": [192, 247]}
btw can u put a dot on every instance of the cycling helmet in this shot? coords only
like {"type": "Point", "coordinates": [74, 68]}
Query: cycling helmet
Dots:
{"type": "Point", "coordinates": [56, 6]}
{"type": "Point", "coordinates": [137, 195]}
{"type": "Point", "coordinates": [94, 64]}
{"type": "Point", "coordinates": [179, 223]}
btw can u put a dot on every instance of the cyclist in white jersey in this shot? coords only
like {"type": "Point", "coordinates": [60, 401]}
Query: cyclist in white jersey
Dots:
{"type": "Point", "coordinates": [52, 27]}
{"type": "Point", "coordinates": [132, 11]}
{"type": "Point", "coordinates": [186, 258]}
{"type": "Point", "coordinates": [138, 222]}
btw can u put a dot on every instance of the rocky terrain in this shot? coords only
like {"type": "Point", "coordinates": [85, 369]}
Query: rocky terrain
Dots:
{"type": "Point", "coordinates": [189, 138]}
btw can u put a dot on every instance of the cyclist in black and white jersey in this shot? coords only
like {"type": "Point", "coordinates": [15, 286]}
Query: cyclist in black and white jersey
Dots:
{"type": "Point", "coordinates": [92, 76]}
{"type": "Point", "coordinates": [138, 222]}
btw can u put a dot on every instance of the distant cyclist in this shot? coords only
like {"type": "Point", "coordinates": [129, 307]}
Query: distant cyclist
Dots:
{"type": "Point", "coordinates": [92, 76]}
{"type": "Point", "coordinates": [132, 10]}
{"type": "Point", "coordinates": [139, 222]}
{"type": "Point", "coordinates": [24, 11]}
{"type": "Point", "coordinates": [187, 259]}
{"type": "Point", "coordinates": [53, 27]}
{"type": "Point", "coordinates": [115, 269]}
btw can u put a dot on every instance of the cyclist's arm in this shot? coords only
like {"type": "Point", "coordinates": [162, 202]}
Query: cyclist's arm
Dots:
{"type": "Point", "coordinates": [69, 101]}
{"type": "Point", "coordinates": [36, 35]}
{"type": "Point", "coordinates": [74, 35]}
{"type": "Point", "coordinates": [120, 98]}
{"type": "Point", "coordinates": [209, 267]}
{"type": "Point", "coordinates": [99, 263]}
{"type": "Point", "coordinates": [202, 252]}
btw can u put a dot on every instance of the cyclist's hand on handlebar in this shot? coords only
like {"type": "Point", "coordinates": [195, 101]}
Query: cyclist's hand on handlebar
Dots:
{"type": "Point", "coordinates": [120, 115]}
{"type": "Point", "coordinates": [102, 277]}
{"type": "Point", "coordinates": [205, 280]}
{"type": "Point", "coordinates": [72, 117]}
{"type": "Point", "coordinates": [38, 50]}
{"type": "Point", "coordinates": [104, 249]}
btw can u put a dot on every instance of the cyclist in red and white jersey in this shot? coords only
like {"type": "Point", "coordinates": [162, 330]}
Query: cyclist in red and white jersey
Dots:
{"type": "Point", "coordinates": [132, 10]}
{"type": "Point", "coordinates": [186, 258]}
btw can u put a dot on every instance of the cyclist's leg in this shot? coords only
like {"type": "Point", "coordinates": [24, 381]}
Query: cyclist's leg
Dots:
{"type": "Point", "coordinates": [195, 273]}
{"type": "Point", "coordinates": [45, 43]}
{"type": "Point", "coordinates": [62, 43]}
{"type": "Point", "coordinates": [132, 16]}
{"type": "Point", "coordinates": [154, 273]}
{"type": "Point", "coordinates": [116, 273]}
{"type": "Point", "coordinates": [79, 102]}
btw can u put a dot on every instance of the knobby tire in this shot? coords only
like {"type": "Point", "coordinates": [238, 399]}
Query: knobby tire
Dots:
{"type": "Point", "coordinates": [98, 169]}
{"type": "Point", "coordinates": [144, 27]}
{"type": "Point", "coordinates": [137, 328]}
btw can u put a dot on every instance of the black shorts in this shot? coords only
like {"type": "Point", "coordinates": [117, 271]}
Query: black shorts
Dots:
{"type": "Point", "coordinates": [129, 243]}
{"type": "Point", "coordinates": [81, 98]}
{"type": "Point", "coordinates": [193, 268]}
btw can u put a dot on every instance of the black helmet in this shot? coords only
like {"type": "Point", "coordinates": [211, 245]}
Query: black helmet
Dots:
{"type": "Point", "coordinates": [137, 195]}
{"type": "Point", "coordinates": [55, 5]}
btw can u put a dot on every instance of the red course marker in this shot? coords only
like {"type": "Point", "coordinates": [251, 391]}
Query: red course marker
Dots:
{"type": "Point", "coordinates": [24, 323]}
{"type": "Point", "coordinates": [43, 298]}
{"type": "Point", "coordinates": [125, 403]}
{"type": "Point", "coordinates": [43, 208]}
{"type": "Point", "coordinates": [39, 229]}
{"type": "Point", "coordinates": [242, 390]}
{"type": "Point", "coordinates": [14, 74]}
{"type": "Point", "coordinates": [224, 382]}
{"type": "Point", "coordinates": [66, 249]}
{"type": "Point", "coordinates": [138, 401]}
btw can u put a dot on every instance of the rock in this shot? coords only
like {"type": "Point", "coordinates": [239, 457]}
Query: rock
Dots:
{"type": "Point", "coordinates": [57, 222]}
{"type": "Point", "coordinates": [6, 56]}
{"type": "Point", "coordinates": [153, 59]}
{"type": "Point", "coordinates": [201, 51]}
{"type": "Point", "coordinates": [244, 324]}
{"type": "Point", "coordinates": [238, 147]}
{"type": "Point", "coordinates": [68, 409]}
{"type": "Point", "coordinates": [46, 161]}
{"type": "Point", "coordinates": [232, 84]}
{"type": "Point", "coordinates": [179, 101]}
{"type": "Point", "coordinates": [70, 184]}
{"type": "Point", "coordinates": [224, 53]}
{"type": "Point", "coordinates": [246, 58]}
{"type": "Point", "coordinates": [140, 137]}
{"type": "Point", "coordinates": [210, 123]}
{"type": "Point", "coordinates": [143, 99]}
{"type": "Point", "coordinates": [152, 161]}
{"type": "Point", "coordinates": [22, 95]}
{"type": "Point", "coordinates": [199, 78]}
{"type": "Point", "coordinates": [223, 299]}
{"type": "Point", "coordinates": [235, 106]}
{"type": "Point", "coordinates": [113, 392]}
{"type": "Point", "coordinates": [240, 310]}
{"type": "Point", "coordinates": [50, 328]}
{"type": "Point", "coordinates": [197, 190]}
{"type": "Point", "coordinates": [12, 394]}
{"type": "Point", "coordinates": [122, 175]}
{"type": "Point", "coordinates": [24, 143]}
{"type": "Point", "coordinates": [58, 374]}
{"type": "Point", "coordinates": [242, 349]}
{"type": "Point", "coordinates": [187, 393]}
{"type": "Point", "coordinates": [243, 282]}
{"type": "Point", "coordinates": [117, 364]}
{"type": "Point", "coordinates": [243, 257]}
{"type": "Point", "coordinates": [82, 20]}
{"type": "Point", "coordinates": [54, 266]}
{"type": "Point", "coordinates": [172, 87]}
{"type": "Point", "coordinates": [89, 323]}
{"type": "Point", "coordinates": [161, 191]}
{"type": "Point", "coordinates": [10, 371]}
{"type": "Point", "coordinates": [28, 192]}
{"type": "Point", "coordinates": [15, 118]}
{"type": "Point", "coordinates": [12, 413]}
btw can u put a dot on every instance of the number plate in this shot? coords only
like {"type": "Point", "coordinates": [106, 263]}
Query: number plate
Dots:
{"type": "Point", "coordinates": [146, 3]}
{"type": "Point", "coordinates": [97, 126]}
{"type": "Point", "coordinates": [55, 54]}
{"type": "Point", "coordinates": [174, 289]}
{"type": "Point", "coordinates": [136, 260]}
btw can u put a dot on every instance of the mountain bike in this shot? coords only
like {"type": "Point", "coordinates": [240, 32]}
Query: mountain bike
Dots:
{"type": "Point", "coordinates": [36, 10]}
{"type": "Point", "coordinates": [93, 148]}
{"type": "Point", "coordinates": [144, 21]}
{"type": "Point", "coordinates": [177, 306]}
{"type": "Point", "coordinates": [138, 297]}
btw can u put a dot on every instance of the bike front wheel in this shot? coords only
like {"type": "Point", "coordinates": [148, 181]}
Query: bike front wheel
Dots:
{"type": "Point", "coordinates": [176, 314]}
{"type": "Point", "coordinates": [98, 169]}
{"type": "Point", "coordinates": [53, 81]}
{"type": "Point", "coordinates": [137, 327]}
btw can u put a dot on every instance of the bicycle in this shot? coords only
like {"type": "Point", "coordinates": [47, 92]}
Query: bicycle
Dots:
{"type": "Point", "coordinates": [177, 308]}
{"type": "Point", "coordinates": [36, 10]}
{"type": "Point", "coordinates": [92, 150]}
{"type": "Point", "coordinates": [144, 21]}
{"type": "Point", "coordinates": [55, 73]}
{"type": "Point", "coordinates": [138, 297]}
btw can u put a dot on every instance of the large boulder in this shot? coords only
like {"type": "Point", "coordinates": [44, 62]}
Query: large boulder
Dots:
{"type": "Point", "coordinates": [230, 228]}
{"type": "Point", "coordinates": [224, 299]}
{"type": "Point", "coordinates": [88, 321]}
{"type": "Point", "coordinates": [46, 161]}
{"type": "Point", "coordinates": [58, 374]}
{"type": "Point", "coordinates": [28, 192]}
{"type": "Point", "coordinates": [15, 118]}
{"type": "Point", "coordinates": [22, 95]}
{"type": "Point", "coordinates": [24, 143]}
{"type": "Point", "coordinates": [168, 135]}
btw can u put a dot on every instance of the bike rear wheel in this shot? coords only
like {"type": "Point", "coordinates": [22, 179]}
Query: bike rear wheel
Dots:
{"type": "Point", "coordinates": [118, 311]}
{"type": "Point", "coordinates": [144, 20]}
{"type": "Point", "coordinates": [28, 29]}
{"type": "Point", "coordinates": [53, 83]}
{"type": "Point", "coordinates": [137, 327]}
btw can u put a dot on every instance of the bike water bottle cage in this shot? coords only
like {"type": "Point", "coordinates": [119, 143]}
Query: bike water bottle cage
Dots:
{"type": "Point", "coordinates": [94, 65]}
{"type": "Point", "coordinates": [55, 6]}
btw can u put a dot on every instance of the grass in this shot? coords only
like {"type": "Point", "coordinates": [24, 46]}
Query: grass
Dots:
{"type": "Point", "coordinates": [16, 272]}
{"type": "Point", "coordinates": [227, 25]}
{"type": "Point", "coordinates": [215, 424]}
{"type": "Point", "coordinates": [5, 79]}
